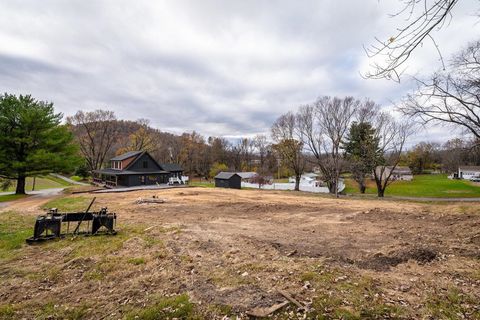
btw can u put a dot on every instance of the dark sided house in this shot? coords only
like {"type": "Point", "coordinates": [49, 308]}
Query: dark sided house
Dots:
{"type": "Point", "coordinates": [135, 168]}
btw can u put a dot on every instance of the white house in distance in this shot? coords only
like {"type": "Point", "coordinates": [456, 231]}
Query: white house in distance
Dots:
{"type": "Point", "coordinates": [306, 178]}
{"type": "Point", "coordinates": [399, 173]}
{"type": "Point", "coordinates": [468, 172]}
{"type": "Point", "coordinates": [308, 183]}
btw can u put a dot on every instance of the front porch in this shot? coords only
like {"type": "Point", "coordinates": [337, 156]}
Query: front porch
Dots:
{"type": "Point", "coordinates": [107, 180]}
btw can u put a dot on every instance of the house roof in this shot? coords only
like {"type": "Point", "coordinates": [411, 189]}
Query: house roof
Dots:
{"type": "Point", "coordinates": [472, 168]}
{"type": "Point", "coordinates": [398, 169]}
{"type": "Point", "coordinates": [126, 155]}
{"type": "Point", "coordinates": [403, 170]}
{"type": "Point", "coordinates": [226, 175]}
{"type": "Point", "coordinates": [246, 175]}
{"type": "Point", "coordinates": [171, 167]}
{"type": "Point", "coordinates": [127, 172]}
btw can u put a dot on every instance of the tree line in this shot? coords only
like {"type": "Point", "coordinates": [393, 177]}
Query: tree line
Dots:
{"type": "Point", "coordinates": [332, 135]}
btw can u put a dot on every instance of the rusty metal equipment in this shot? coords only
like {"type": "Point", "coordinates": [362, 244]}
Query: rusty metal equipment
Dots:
{"type": "Point", "coordinates": [49, 226]}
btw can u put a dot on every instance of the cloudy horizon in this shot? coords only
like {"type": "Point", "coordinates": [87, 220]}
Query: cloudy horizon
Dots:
{"type": "Point", "coordinates": [221, 69]}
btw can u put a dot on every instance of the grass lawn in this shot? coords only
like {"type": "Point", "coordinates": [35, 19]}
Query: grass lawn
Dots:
{"type": "Point", "coordinates": [11, 197]}
{"type": "Point", "coordinates": [42, 182]}
{"type": "Point", "coordinates": [204, 184]}
{"type": "Point", "coordinates": [432, 186]}
{"type": "Point", "coordinates": [69, 204]}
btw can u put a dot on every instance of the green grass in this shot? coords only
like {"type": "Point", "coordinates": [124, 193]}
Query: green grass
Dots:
{"type": "Point", "coordinates": [7, 311]}
{"type": "Point", "coordinates": [430, 186]}
{"type": "Point", "coordinates": [136, 261]}
{"type": "Point", "coordinates": [201, 184]}
{"type": "Point", "coordinates": [11, 197]}
{"type": "Point", "coordinates": [52, 310]}
{"type": "Point", "coordinates": [452, 304]}
{"type": "Point", "coordinates": [69, 203]}
{"type": "Point", "coordinates": [14, 229]}
{"type": "Point", "coordinates": [178, 307]}
{"type": "Point", "coordinates": [342, 296]}
{"type": "Point", "coordinates": [41, 182]}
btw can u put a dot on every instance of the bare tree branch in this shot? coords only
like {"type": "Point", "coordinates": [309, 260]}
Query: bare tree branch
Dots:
{"type": "Point", "coordinates": [390, 56]}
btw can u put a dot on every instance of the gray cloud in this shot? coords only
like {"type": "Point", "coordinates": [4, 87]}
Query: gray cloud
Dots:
{"type": "Point", "coordinates": [220, 68]}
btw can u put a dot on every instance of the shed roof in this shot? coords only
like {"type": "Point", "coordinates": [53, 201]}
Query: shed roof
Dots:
{"type": "Point", "coordinates": [226, 175]}
{"type": "Point", "coordinates": [126, 155]}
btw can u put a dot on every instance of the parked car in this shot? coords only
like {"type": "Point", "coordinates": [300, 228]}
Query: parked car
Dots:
{"type": "Point", "coordinates": [475, 179]}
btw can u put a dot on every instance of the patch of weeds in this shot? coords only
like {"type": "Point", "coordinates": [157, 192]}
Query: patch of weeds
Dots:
{"type": "Point", "coordinates": [14, 229]}
{"type": "Point", "coordinates": [227, 278]}
{"type": "Point", "coordinates": [221, 309]}
{"type": "Point", "coordinates": [136, 261]}
{"type": "Point", "coordinates": [160, 254]}
{"type": "Point", "coordinates": [7, 311]}
{"type": "Point", "coordinates": [474, 275]}
{"type": "Point", "coordinates": [453, 304]}
{"type": "Point", "coordinates": [53, 273]}
{"type": "Point", "coordinates": [51, 310]}
{"type": "Point", "coordinates": [173, 230]}
{"type": "Point", "coordinates": [151, 241]}
{"type": "Point", "coordinates": [87, 246]}
{"type": "Point", "coordinates": [342, 296]}
{"type": "Point", "coordinates": [186, 258]}
{"type": "Point", "coordinates": [65, 204]}
{"type": "Point", "coordinates": [104, 267]}
{"type": "Point", "coordinates": [252, 267]}
{"type": "Point", "coordinates": [178, 307]}
{"type": "Point", "coordinates": [94, 275]}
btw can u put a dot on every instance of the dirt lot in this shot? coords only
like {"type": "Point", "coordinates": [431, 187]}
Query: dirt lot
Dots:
{"type": "Point", "coordinates": [213, 254]}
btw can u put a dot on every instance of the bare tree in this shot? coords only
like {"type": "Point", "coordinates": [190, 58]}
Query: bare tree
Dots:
{"type": "Point", "coordinates": [423, 17]}
{"type": "Point", "coordinates": [450, 97]}
{"type": "Point", "coordinates": [391, 136]}
{"type": "Point", "coordinates": [261, 147]}
{"type": "Point", "coordinates": [96, 133]}
{"type": "Point", "coordinates": [289, 149]}
{"type": "Point", "coordinates": [322, 127]}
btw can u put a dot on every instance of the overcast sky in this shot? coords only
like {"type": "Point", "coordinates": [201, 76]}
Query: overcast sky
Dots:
{"type": "Point", "coordinates": [220, 68]}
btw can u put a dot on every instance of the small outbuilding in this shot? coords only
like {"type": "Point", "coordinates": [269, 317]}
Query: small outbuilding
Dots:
{"type": "Point", "coordinates": [228, 180]}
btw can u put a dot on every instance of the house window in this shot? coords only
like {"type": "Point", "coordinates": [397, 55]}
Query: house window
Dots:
{"type": "Point", "coordinates": [145, 164]}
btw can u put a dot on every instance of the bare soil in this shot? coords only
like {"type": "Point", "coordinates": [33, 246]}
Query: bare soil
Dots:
{"type": "Point", "coordinates": [231, 250]}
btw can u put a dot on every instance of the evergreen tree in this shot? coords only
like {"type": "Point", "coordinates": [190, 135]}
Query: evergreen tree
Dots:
{"type": "Point", "coordinates": [361, 149]}
{"type": "Point", "coordinates": [32, 140]}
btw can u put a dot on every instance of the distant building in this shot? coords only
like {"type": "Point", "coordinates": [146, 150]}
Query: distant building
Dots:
{"type": "Point", "coordinates": [399, 173]}
{"type": "Point", "coordinates": [230, 180]}
{"type": "Point", "coordinates": [468, 172]}
{"type": "Point", "coordinates": [247, 176]}
{"type": "Point", "coordinates": [136, 168]}
{"type": "Point", "coordinates": [306, 179]}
